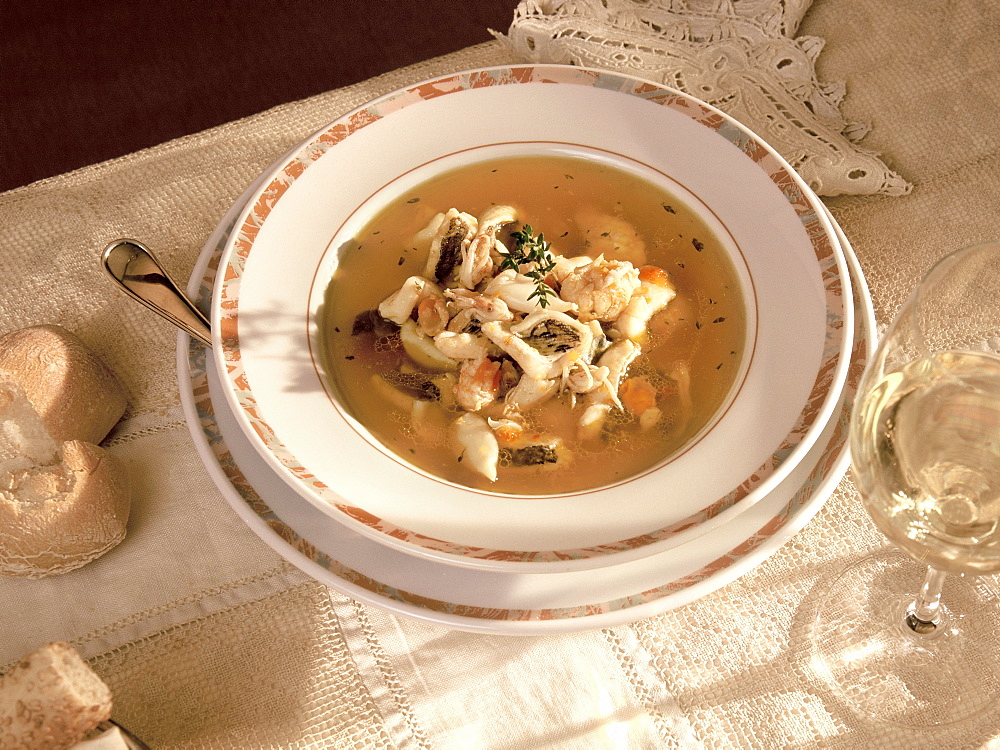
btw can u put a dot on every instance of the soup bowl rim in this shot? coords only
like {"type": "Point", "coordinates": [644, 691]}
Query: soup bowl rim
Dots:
{"type": "Point", "coordinates": [227, 351]}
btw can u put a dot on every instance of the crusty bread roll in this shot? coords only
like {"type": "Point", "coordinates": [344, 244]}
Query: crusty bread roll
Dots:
{"type": "Point", "coordinates": [57, 517]}
{"type": "Point", "coordinates": [63, 499]}
{"type": "Point", "coordinates": [50, 700]}
{"type": "Point", "coordinates": [77, 396]}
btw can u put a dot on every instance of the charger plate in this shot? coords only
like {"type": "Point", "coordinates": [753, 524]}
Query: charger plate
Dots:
{"type": "Point", "coordinates": [264, 317]}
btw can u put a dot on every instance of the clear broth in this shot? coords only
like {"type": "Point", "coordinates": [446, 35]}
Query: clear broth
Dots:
{"type": "Point", "coordinates": [703, 326]}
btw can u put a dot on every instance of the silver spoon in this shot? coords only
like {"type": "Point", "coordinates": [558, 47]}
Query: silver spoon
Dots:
{"type": "Point", "coordinates": [136, 270]}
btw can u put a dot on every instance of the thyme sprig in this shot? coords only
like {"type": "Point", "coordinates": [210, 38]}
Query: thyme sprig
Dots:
{"type": "Point", "coordinates": [532, 251]}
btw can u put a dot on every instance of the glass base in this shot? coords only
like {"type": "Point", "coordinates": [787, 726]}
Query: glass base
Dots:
{"type": "Point", "coordinates": [933, 674]}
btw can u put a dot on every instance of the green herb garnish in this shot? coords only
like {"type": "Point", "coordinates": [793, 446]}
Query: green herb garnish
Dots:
{"type": "Point", "coordinates": [533, 251]}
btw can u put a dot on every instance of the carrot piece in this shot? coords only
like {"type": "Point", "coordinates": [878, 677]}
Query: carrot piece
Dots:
{"type": "Point", "coordinates": [637, 395]}
{"type": "Point", "coordinates": [654, 275]}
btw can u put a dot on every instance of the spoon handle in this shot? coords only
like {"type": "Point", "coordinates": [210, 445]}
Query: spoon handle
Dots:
{"type": "Point", "coordinates": [136, 270]}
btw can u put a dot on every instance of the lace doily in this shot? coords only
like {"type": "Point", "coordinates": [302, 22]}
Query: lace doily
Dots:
{"type": "Point", "coordinates": [741, 56]}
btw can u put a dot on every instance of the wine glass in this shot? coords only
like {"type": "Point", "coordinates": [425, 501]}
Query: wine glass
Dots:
{"type": "Point", "coordinates": [925, 455]}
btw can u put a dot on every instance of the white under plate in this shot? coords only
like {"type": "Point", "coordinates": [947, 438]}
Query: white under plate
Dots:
{"type": "Point", "coordinates": [264, 317]}
{"type": "Point", "coordinates": [490, 601]}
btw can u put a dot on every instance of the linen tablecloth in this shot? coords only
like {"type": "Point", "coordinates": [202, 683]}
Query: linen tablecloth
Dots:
{"type": "Point", "coordinates": [209, 639]}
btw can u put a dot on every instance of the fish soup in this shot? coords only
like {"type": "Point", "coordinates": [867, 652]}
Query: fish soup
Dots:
{"type": "Point", "coordinates": [534, 326]}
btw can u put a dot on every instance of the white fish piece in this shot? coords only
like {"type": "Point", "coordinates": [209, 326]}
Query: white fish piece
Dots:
{"type": "Point", "coordinates": [460, 345]}
{"type": "Point", "coordinates": [544, 343]}
{"type": "Point", "coordinates": [426, 235]}
{"type": "Point", "coordinates": [586, 378]}
{"type": "Point", "coordinates": [599, 402]}
{"type": "Point", "coordinates": [564, 265]}
{"type": "Point", "coordinates": [495, 217]}
{"type": "Point", "coordinates": [592, 421]}
{"type": "Point", "coordinates": [529, 359]}
{"type": "Point", "coordinates": [482, 306]}
{"type": "Point", "coordinates": [398, 307]}
{"type": "Point", "coordinates": [479, 445]}
{"type": "Point", "coordinates": [649, 418]}
{"type": "Point", "coordinates": [681, 374]}
{"type": "Point", "coordinates": [516, 289]}
{"type": "Point", "coordinates": [523, 447]}
{"type": "Point", "coordinates": [617, 359]}
{"type": "Point", "coordinates": [429, 421]}
{"type": "Point", "coordinates": [422, 349]}
{"type": "Point", "coordinates": [654, 293]}
{"type": "Point", "coordinates": [451, 240]}
{"type": "Point", "coordinates": [477, 256]}
{"type": "Point", "coordinates": [529, 393]}
{"type": "Point", "coordinates": [601, 341]}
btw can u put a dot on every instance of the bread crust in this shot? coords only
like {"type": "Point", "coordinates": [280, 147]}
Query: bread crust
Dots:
{"type": "Point", "coordinates": [77, 396]}
{"type": "Point", "coordinates": [85, 514]}
{"type": "Point", "coordinates": [50, 700]}
{"type": "Point", "coordinates": [64, 500]}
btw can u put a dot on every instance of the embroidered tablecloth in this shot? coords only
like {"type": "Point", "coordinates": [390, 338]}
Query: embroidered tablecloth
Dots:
{"type": "Point", "coordinates": [210, 639]}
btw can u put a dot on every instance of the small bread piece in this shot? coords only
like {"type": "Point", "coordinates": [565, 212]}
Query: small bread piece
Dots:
{"type": "Point", "coordinates": [77, 396]}
{"type": "Point", "coordinates": [61, 506]}
{"type": "Point", "coordinates": [56, 518]}
{"type": "Point", "coordinates": [50, 700]}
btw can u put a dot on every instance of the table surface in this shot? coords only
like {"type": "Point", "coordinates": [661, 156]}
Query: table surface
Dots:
{"type": "Point", "coordinates": [88, 81]}
{"type": "Point", "coordinates": [208, 637]}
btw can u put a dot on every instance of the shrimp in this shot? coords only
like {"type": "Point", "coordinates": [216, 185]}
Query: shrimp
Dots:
{"type": "Point", "coordinates": [612, 237]}
{"type": "Point", "coordinates": [601, 290]}
{"type": "Point", "coordinates": [432, 315]}
{"type": "Point", "coordinates": [478, 443]}
{"type": "Point", "coordinates": [654, 293]}
{"type": "Point", "coordinates": [477, 256]}
{"type": "Point", "coordinates": [451, 239]}
{"type": "Point", "coordinates": [478, 383]}
{"type": "Point", "coordinates": [398, 307]}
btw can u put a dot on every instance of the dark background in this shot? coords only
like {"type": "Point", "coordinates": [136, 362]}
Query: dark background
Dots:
{"type": "Point", "coordinates": [82, 82]}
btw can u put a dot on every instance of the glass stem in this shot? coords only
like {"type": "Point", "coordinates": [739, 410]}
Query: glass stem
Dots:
{"type": "Point", "coordinates": [924, 616]}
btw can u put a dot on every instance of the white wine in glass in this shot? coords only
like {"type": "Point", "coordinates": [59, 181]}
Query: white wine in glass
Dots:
{"type": "Point", "coordinates": [925, 456]}
{"type": "Point", "coordinates": [927, 459]}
